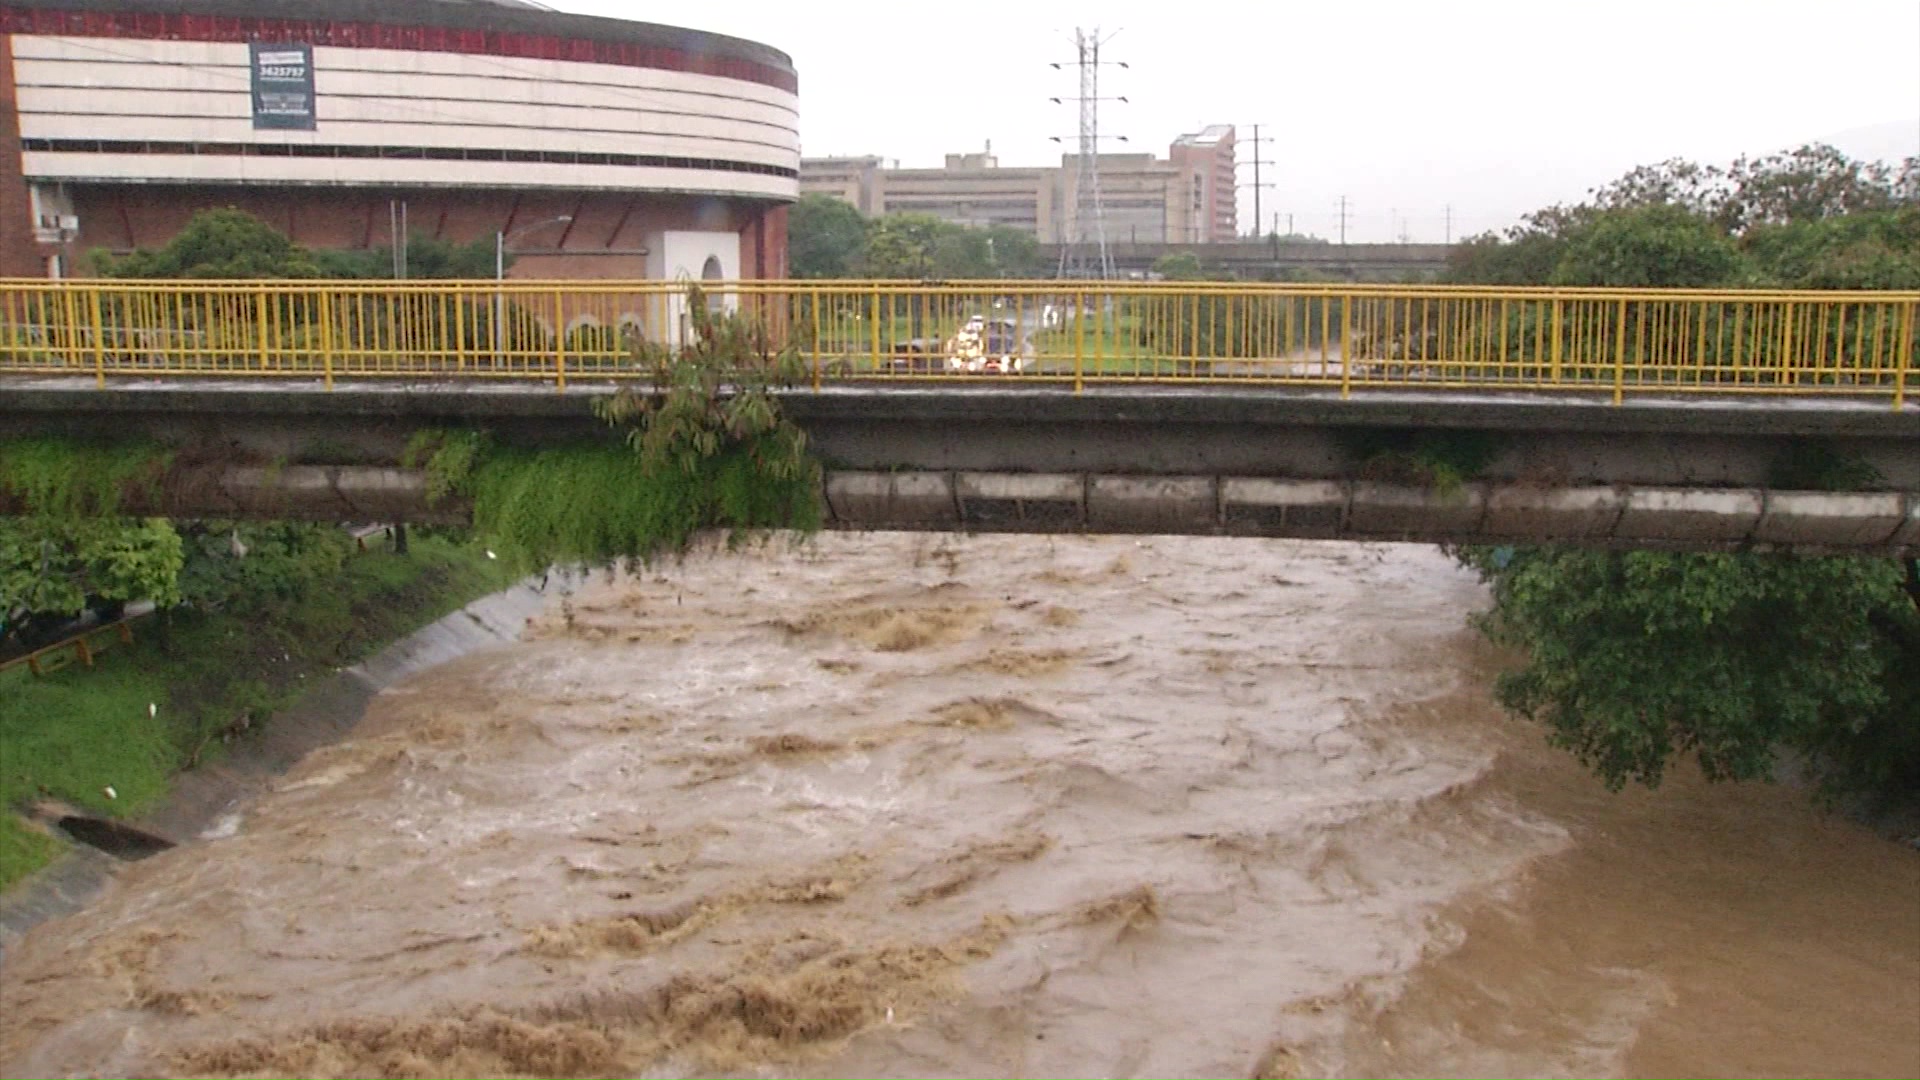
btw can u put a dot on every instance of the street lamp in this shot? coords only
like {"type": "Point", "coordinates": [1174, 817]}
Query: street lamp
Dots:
{"type": "Point", "coordinates": [500, 239]}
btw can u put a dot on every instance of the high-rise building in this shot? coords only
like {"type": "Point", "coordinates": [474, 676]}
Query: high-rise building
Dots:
{"type": "Point", "coordinates": [1206, 163]}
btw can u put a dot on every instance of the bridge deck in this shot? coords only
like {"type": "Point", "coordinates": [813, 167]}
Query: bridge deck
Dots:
{"type": "Point", "coordinates": [1684, 471]}
{"type": "Point", "coordinates": [478, 401]}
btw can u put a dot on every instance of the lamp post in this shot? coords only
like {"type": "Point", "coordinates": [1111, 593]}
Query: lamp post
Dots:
{"type": "Point", "coordinates": [500, 240]}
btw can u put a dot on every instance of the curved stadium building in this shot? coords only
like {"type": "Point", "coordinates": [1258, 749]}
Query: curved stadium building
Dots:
{"type": "Point", "coordinates": [601, 148]}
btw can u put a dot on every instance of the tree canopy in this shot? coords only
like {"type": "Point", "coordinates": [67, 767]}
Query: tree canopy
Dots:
{"type": "Point", "coordinates": [1808, 218]}
{"type": "Point", "coordinates": [54, 566]}
{"type": "Point", "coordinates": [224, 244]}
{"type": "Point", "coordinates": [1635, 658]}
{"type": "Point", "coordinates": [231, 244]}
{"type": "Point", "coordinates": [827, 238]}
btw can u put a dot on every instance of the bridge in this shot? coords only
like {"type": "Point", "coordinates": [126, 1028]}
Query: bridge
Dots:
{"type": "Point", "coordinates": [1269, 258]}
{"type": "Point", "coordinates": [1699, 420]}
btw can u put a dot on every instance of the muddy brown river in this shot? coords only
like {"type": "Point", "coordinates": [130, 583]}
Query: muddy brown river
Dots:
{"type": "Point", "coordinates": [980, 807]}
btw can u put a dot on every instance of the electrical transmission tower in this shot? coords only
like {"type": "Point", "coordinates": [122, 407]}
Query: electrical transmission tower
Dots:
{"type": "Point", "coordinates": [1085, 254]}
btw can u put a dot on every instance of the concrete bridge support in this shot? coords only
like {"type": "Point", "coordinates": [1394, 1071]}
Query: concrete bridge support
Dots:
{"type": "Point", "coordinates": [1703, 519]}
{"type": "Point", "coordinates": [1687, 472]}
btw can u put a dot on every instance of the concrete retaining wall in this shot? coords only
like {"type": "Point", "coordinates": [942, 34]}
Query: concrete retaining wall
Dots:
{"type": "Point", "coordinates": [1198, 504]}
{"type": "Point", "coordinates": [1676, 518]}
{"type": "Point", "coordinates": [1195, 504]}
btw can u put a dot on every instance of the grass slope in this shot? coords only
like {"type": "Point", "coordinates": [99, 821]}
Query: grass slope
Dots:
{"type": "Point", "coordinates": [77, 731]}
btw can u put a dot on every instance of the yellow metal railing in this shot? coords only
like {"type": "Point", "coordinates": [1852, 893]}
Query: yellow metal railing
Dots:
{"type": "Point", "coordinates": [1350, 337]}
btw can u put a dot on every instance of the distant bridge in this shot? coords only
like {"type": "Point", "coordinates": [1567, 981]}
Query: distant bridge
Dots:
{"type": "Point", "coordinates": [1641, 418]}
{"type": "Point", "coordinates": [1268, 259]}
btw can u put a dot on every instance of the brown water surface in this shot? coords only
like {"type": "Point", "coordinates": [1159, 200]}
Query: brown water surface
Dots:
{"type": "Point", "coordinates": [992, 806]}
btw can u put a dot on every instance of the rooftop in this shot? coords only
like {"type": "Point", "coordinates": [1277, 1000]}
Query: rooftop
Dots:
{"type": "Point", "coordinates": [1211, 135]}
{"type": "Point", "coordinates": [504, 16]}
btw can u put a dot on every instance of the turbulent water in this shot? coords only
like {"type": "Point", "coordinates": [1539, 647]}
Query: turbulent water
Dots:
{"type": "Point", "coordinates": [1027, 806]}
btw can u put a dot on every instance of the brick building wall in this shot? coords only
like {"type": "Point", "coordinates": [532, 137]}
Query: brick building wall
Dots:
{"type": "Point", "coordinates": [20, 255]}
{"type": "Point", "coordinates": [605, 238]}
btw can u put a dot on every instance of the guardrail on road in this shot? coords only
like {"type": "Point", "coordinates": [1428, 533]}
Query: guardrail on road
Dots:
{"type": "Point", "coordinates": [1350, 337]}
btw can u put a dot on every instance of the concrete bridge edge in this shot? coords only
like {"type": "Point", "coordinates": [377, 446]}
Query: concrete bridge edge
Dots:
{"type": "Point", "coordinates": [1711, 519]}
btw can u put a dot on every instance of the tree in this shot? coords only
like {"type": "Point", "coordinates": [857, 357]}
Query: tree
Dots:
{"type": "Point", "coordinates": [903, 246]}
{"type": "Point", "coordinates": [257, 568]}
{"type": "Point", "coordinates": [1813, 182]}
{"type": "Point", "coordinates": [427, 258]}
{"type": "Point", "coordinates": [1179, 266]}
{"type": "Point", "coordinates": [218, 244]}
{"type": "Point", "coordinates": [960, 253]}
{"type": "Point", "coordinates": [1522, 257]}
{"type": "Point", "coordinates": [55, 565]}
{"type": "Point", "coordinates": [1016, 253]}
{"type": "Point", "coordinates": [1633, 659]}
{"type": "Point", "coordinates": [1877, 250]}
{"type": "Point", "coordinates": [825, 237]}
{"type": "Point", "coordinates": [434, 259]}
{"type": "Point", "coordinates": [1636, 657]}
{"type": "Point", "coordinates": [1660, 246]}
{"type": "Point", "coordinates": [233, 244]}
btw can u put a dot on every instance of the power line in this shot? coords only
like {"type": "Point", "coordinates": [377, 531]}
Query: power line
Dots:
{"type": "Point", "coordinates": [1257, 185]}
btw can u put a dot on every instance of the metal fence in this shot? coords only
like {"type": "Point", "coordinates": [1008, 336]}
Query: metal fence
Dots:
{"type": "Point", "coordinates": [1351, 337]}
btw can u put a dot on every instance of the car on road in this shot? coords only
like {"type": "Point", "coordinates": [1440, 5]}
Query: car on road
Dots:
{"type": "Point", "coordinates": [988, 347]}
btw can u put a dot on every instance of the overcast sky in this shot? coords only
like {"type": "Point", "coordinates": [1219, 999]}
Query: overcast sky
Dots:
{"type": "Point", "coordinates": [1405, 108]}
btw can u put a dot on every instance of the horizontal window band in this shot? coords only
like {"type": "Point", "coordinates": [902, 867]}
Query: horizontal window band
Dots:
{"type": "Point", "coordinates": [399, 153]}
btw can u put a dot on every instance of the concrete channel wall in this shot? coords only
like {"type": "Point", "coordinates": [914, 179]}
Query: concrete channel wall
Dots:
{"type": "Point", "coordinates": [1646, 516]}
{"type": "Point", "coordinates": [1621, 516]}
{"type": "Point", "coordinates": [1685, 471]}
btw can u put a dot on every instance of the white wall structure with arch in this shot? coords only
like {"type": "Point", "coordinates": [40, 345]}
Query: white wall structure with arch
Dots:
{"type": "Point", "coordinates": [696, 257]}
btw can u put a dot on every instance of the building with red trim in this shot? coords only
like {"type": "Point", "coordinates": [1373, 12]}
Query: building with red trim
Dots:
{"type": "Point", "coordinates": [603, 148]}
{"type": "Point", "coordinates": [1207, 157]}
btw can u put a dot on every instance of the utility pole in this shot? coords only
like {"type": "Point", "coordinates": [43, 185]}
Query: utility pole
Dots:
{"type": "Point", "coordinates": [1449, 224]}
{"type": "Point", "coordinates": [1256, 185]}
{"type": "Point", "coordinates": [397, 235]}
{"type": "Point", "coordinates": [1343, 221]}
{"type": "Point", "coordinates": [1074, 260]}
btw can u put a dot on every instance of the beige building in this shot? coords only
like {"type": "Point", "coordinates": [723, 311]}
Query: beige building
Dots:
{"type": "Point", "coordinates": [1146, 199]}
{"type": "Point", "coordinates": [972, 189]}
{"type": "Point", "coordinates": [850, 179]}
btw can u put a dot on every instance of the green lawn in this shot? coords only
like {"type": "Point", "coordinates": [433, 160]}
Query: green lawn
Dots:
{"type": "Point", "coordinates": [75, 732]}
